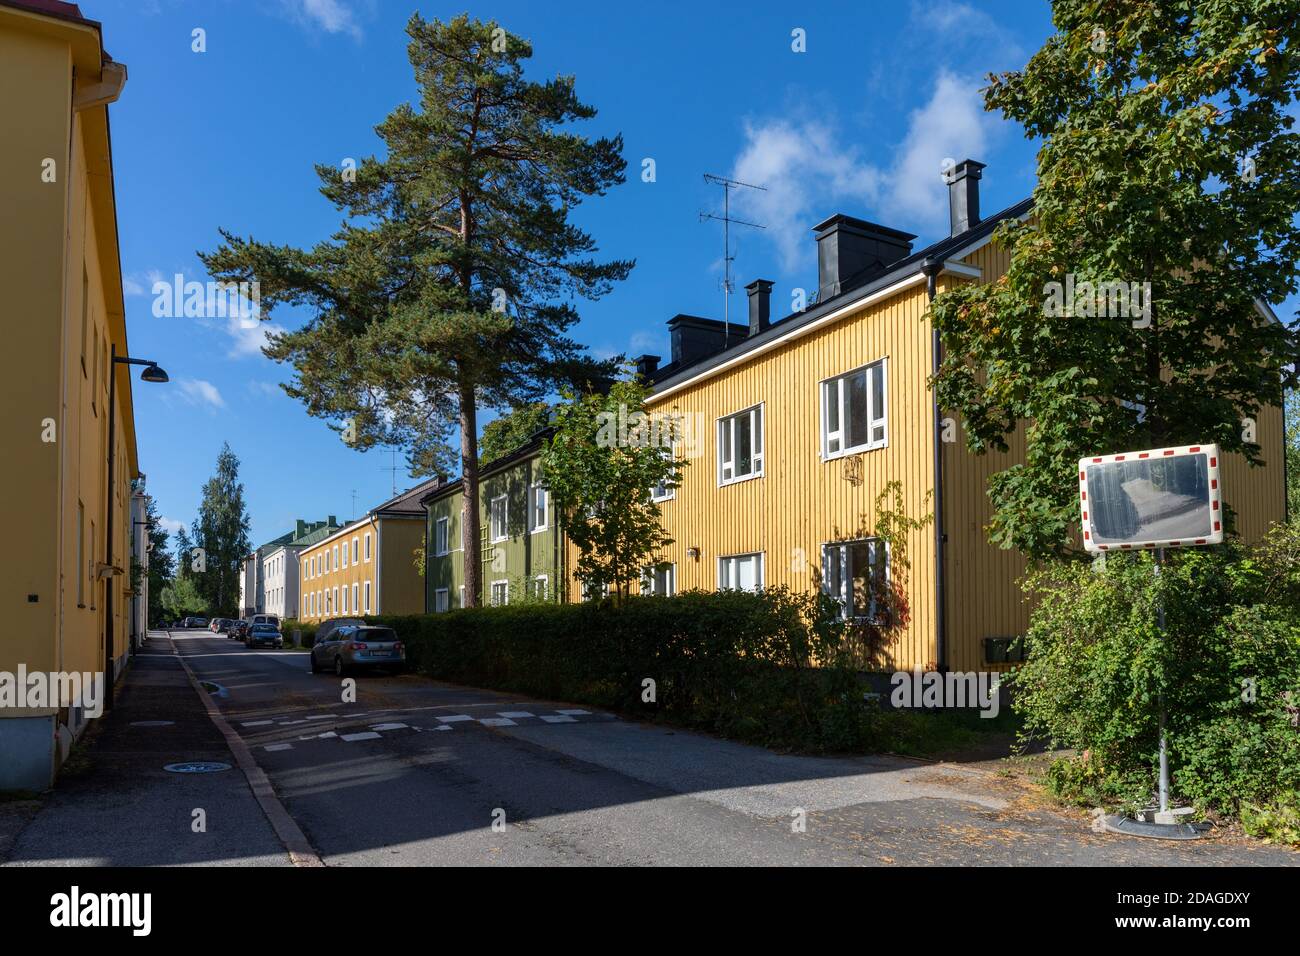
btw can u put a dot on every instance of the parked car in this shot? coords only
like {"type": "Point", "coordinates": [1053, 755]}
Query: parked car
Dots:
{"type": "Point", "coordinates": [218, 625]}
{"type": "Point", "coordinates": [349, 648]}
{"type": "Point", "coordinates": [237, 630]}
{"type": "Point", "coordinates": [196, 622]}
{"type": "Point", "coordinates": [333, 624]}
{"type": "Point", "coordinates": [260, 635]}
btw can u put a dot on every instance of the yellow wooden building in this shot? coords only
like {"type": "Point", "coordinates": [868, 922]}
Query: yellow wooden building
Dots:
{"type": "Point", "coordinates": [794, 427]}
{"type": "Point", "coordinates": [369, 565]}
{"type": "Point", "coordinates": [66, 574]}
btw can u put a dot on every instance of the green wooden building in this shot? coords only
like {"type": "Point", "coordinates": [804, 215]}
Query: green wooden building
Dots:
{"type": "Point", "coordinates": [522, 548]}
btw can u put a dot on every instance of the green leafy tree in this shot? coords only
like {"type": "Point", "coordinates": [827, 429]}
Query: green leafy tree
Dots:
{"type": "Point", "coordinates": [161, 563]}
{"type": "Point", "coordinates": [1291, 423]}
{"type": "Point", "coordinates": [221, 530]}
{"type": "Point", "coordinates": [1167, 158]}
{"type": "Point", "coordinates": [601, 465]}
{"type": "Point", "coordinates": [450, 286]}
{"type": "Point", "coordinates": [181, 597]}
{"type": "Point", "coordinates": [184, 553]}
{"type": "Point", "coordinates": [512, 430]}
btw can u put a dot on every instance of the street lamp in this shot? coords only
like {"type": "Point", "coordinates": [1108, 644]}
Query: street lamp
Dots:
{"type": "Point", "coordinates": [151, 373]}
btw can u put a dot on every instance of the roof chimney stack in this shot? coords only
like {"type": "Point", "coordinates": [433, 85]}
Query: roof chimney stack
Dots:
{"type": "Point", "coordinates": [853, 251]}
{"type": "Point", "coordinates": [760, 305]}
{"type": "Point", "coordinates": [963, 195]}
{"type": "Point", "coordinates": [647, 365]}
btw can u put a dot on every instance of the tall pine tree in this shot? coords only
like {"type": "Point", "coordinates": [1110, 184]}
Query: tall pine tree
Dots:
{"type": "Point", "coordinates": [450, 285]}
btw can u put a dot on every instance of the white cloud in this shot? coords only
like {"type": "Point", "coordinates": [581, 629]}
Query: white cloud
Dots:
{"type": "Point", "coordinates": [247, 335]}
{"type": "Point", "coordinates": [200, 392]}
{"type": "Point", "coordinates": [131, 286]}
{"type": "Point", "coordinates": [332, 16]}
{"type": "Point", "coordinates": [811, 173]}
{"type": "Point", "coordinates": [961, 23]}
{"type": "Point", "coordinates": [170, 525]}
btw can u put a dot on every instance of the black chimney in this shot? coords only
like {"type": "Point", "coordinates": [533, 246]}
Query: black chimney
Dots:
{"type": "Point", "coordinates": [647, 365]}
{"type": "Point", "coordinates": [963, 195]}
{"type": "Point", "coordinates": [760, 305]}
{"type": "Point", "coordinates": [853, 251]}
{"type": "Point", "coordinates": [694, 338]}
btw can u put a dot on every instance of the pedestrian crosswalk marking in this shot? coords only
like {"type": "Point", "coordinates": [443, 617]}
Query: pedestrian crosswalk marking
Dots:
{"type": "Point", "coordinates": [574, 713]}
{"type": "Point", "coordinates": [558, 719]}
{"type": "Point", "coordinates": [274, 747]}
{"type": "Point", "coordinates": [497, 722]}
{"type": "Point", "coordinates": [513, 713]}
{"type": "Point", "coordinates": [364, 735]}
{"type": "Point", "coordinates": [455, 717]}
{"type": "Point", "coordinates": [389, 726]}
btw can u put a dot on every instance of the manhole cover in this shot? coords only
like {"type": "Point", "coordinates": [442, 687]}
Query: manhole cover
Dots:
{"type": "Point", "coordinates": [152, 723]}
{"type": "Point", "coordinates": [197, 766]}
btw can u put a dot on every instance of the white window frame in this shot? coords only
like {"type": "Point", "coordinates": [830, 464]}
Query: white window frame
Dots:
{"type": "Point", "coordinates": [334, 565]}
{"type": "Point", "coordinates": [367, 596]}
{"type": "Point", "coordinates": [441, 601]}
{"type": "Point", "coordinates": [537, 491]}
{"type": "Point", "coordinates": [347, 605]}
{"type": "Point", "coordinates": [442, 526]}
{"type": "Point", "coordinates": [356, 602]}
{"type": "Point", "coordinates": [544, 590]}
{"type": "Point", "coordinates": [832, 391]}
{"type": "Point", "coordinates": [345, 554]}
{"type": "Point", "coordinates": [492, 592]}
{"type": "Point", "coordinates": [759, 577]}
{"type": "Point", "coordinates": [460, 595]}
{"type": "Point", "coordinates": [844, 574]}
{"type": "Point", "coordinates": [727, 426]}
{"type": "Point", "coordinates": [648, 582]}
{"type": "Point", "coordinates": [367, 547]}
{"type": "Point", "coordinates": [669, 492]}
{"type": "Point", "coordinates": [505, 518]}
{"type": "Point", "coordinates": [355, 553]}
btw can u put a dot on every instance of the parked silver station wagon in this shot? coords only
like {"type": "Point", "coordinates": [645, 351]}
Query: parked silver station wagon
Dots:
{"type": "Point", "coordinates": [352, 647]}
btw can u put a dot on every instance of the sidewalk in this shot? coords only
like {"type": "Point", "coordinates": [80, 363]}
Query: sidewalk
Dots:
{"type": "Point", "coordinates": [114, 805]}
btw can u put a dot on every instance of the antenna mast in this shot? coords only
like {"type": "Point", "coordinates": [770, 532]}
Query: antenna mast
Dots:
{"type": "Point", "coordinates": [727, 258]}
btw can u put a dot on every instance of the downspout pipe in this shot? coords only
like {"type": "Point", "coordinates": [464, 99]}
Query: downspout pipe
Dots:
{"type": "Point", "coordinates": [931, 269]}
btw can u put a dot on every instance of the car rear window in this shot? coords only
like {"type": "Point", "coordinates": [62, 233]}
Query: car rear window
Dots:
{"type": "Point", "coordinates": [380, 635]}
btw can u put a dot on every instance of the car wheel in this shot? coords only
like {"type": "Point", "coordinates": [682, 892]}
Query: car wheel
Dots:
{"type": "Point", "coordinates": [315, 668]}
{"type": "Point", "coordinates": [340, 669]}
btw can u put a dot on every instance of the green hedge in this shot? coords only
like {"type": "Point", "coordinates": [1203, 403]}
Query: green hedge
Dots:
{"type": "Point", "coordinates": [307, 629]}
{"type": "Point", "coordinates": [732, 663]}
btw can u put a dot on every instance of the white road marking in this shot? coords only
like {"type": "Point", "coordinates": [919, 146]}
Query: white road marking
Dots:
{"type": "Point", "coordinates": [320, 717]}
{"type": "Point", "coordinates": [365, 735]}
{"type": "Point", "coordinates": [455, 717]}
{"type": "Point", "coordinates": [389, 726]}
{"type": "Point", "coordinates": [257, 723]}
{"type": "Point", "coordinates": [443, 727]}
{"type": "Point", "coordinates": [497, 722]}
{"type": "Point", "coordinates": [278, 747]}
{"type": "Point", "coordinates": [513, 713]}
{"type": "Point", "coordinates": [574, 713]}
{"type": "Point", "coordinates": [558, 719]}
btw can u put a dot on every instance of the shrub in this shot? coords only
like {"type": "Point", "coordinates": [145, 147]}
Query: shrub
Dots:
{"type": "Point", "coordinates": [307, 630]}
{"type": "Point", "coordinates": [1227, 665]}
{"type": "Point", "coordinates": [772, 668]}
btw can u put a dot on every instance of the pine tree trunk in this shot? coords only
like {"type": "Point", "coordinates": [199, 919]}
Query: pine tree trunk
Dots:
{"type": "Point", "coordinates": [469, 531]}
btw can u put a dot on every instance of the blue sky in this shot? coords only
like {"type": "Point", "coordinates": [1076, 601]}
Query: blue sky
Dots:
{"type": "Point", "coordinates": [858, 123]}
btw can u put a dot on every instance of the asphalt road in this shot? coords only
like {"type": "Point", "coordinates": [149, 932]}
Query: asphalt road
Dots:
{"type": "Point", "coordinates": [420, 773]}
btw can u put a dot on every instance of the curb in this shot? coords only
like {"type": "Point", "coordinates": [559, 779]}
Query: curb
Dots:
{"type": "Point", "coordinates": [296, 844]}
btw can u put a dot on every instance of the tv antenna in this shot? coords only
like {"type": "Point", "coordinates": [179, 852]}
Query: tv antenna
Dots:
{"type": "Point", "coordinates": [353, 513]}
{"type": "Point", "coordinates": [727, 258]}
{"type": "Point", "coordinates": [392, 468]}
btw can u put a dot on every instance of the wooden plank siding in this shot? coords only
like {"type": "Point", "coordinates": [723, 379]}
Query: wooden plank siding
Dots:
{"type": "Point", "coordinates": [802, 502]}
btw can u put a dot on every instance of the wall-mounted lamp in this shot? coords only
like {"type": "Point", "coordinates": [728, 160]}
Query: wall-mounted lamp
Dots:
{"type": "Point", "coordinates": [693, 553]}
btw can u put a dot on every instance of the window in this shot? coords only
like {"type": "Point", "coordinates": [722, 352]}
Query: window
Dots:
{"type": "Point", "coordinates": [460, 593]}
{"type": "Point", "coordinates": [336, 600]}
{"type": "Point", "coordinates": [367, 546]}
{"type": "Point", "coordinates": [741, 572]}
{"type": "Point", "coordinates": [660, 579]}
{"type": "Point", "coordinates": [85, 316]}
{"type": "Point", "coordinates": [306, 570]}
{"type": "Point", "coordinates": [853, 411]}
{"type": "Point", "coordinates": [355, 606]}
{"type": "Point", "coordinates": [90, 570]}
{"type": "Point", "coordinates": [500, 593]}
{"type": "Point", "coordinates": [856, 573]}
{"type": "Point", "coordinates": [367, 588]}
{"type": "Point", "coordinates": [335, 563]}
{"type": "Point", "coordinates": [354, 551]}
{"type": "Point", "coordinates": [440, 598]}
{"type": "Point", "coordinates": [345, 555]}
{"type": "Point", "coordinates": [347, 605]}
{"type": "Point", "coordinates": [498, 513]}
{"type": "Point", "coordinates": [305, 605]}
{"type": "Point", "coordinates": [441, 534]}
{"type": "Point", "coordinates": [538, 587]}
{"type": "Point", "coordinates": [664, 489]}
{"type": "Point", "coordinates": [537, 508]}
{"type": "Point", "coordinates": [740, 446]}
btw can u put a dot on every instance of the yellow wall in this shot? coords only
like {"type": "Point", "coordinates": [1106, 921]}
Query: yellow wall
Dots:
{"type": "Point", "coordinates": [396, 586]}
{"type": "Point", "coordinates": [53, 233]}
